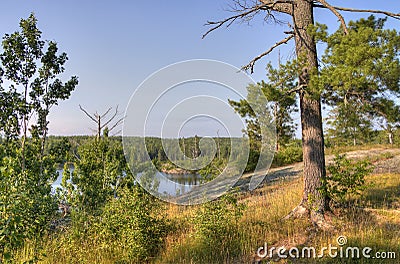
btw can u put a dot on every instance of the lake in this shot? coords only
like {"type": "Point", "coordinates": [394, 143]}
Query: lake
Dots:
{"type": "Point", "coordinates": [171, 184]}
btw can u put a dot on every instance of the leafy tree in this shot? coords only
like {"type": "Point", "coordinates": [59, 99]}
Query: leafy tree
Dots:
{"type": "Point", "coordinates": [59, 148]}
{"type": "Point", "coordinates": [99, 171]}
{"type": "Point", "coordinates": [30, 67]}
{"type": "Point", "coordinates": [301, 12]}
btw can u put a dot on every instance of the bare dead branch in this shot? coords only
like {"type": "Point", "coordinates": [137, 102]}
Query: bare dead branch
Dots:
{"type": "Point", "coordinates": [111, 118]}
{"type": "Point", "coordinates": [106, 113]}
{"type": "Point", "coordinates": [98, 119]}
{"type": "Point", "coordinates": [373, 11]}
{"type": "Point", "coordinates": [296, 89]}
{"type": "Point", "coordinates": [277, 5]}
{"type": "Point", "coordinates": [336, 13]}
{"type": "Point", "coordinates": [227, 21]}
{"type": "Point", "coordinates": [119, 122]}
{"type": "Point", "coordinates": [250, 66]}
{"type": "Point", "coordinates": [116, 133]}
{"type": "Point", "coordinates": [83, 110]}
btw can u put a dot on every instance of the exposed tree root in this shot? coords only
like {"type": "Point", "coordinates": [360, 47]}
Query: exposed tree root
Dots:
{"type": "Point", "coordinates": [319, 219]}
{"type": "Point", "coordinates": [298, 212]}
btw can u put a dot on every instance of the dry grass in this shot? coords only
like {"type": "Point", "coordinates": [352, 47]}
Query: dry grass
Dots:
{"type": "Point", "coordinates": [376, 225]}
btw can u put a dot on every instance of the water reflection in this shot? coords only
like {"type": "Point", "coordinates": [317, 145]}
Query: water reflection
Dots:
{"type": "Point", "coordinates": [177, 183]}
{"type": "Point", "coordinates": [168, 184]}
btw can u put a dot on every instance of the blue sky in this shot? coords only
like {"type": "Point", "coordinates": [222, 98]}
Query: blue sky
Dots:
{"type": "Point", "coordinates": [114, 45]}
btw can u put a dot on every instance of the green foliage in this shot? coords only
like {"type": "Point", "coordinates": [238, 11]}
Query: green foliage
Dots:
{"type": "Point", "coordinates": [30, 67]}
{"type": "Point", "coordinates": [216, 225]}
{"type": "Point", "coordinates": [135, 223]}
{"type": "Point", "coordinates": [213, 169]}
{"type": "Point", "coordinates": [346, 178]}
{"type": "Point", "coordinates": [130, 228]}
{"type": "Point", "coordinates": [278, 92]}
{"type": "Point", "coordinates": [59, 148]}
{"type": "Point", "coordinates": [99, 170]}
{"type": "Point", "coordinates": [349, 125]}
{"type": "Point", "coordinates": [26, 205]}
{"type": "Point", "coordinates": [360, 79]}
{"type": "Point", "coordinates": [288, 155]}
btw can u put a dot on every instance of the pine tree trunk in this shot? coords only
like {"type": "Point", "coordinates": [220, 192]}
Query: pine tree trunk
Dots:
{"type": "Point", "coordinates": [313, 201]}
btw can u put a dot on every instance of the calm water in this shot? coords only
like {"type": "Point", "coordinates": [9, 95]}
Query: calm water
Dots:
{"type": "Point", "coordinates": [171, 184]}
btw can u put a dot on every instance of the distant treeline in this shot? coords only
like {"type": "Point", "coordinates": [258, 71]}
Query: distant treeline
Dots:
{"type": "Point", "coordinates": [65, 148]}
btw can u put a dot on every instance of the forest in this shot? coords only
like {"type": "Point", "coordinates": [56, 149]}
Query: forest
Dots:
{"type": "Point", "coordinates": [102, 212]}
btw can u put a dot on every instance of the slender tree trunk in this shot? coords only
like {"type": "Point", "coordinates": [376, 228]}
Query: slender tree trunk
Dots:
{"type": "Point", "coordinates": [313, 202]}
{"type": "Point", "coordinates": [25, 127]}
{"type": "Point", "coordinates": [390, 134]}
{"type": "Point", "coordinates": [276, 119]}
{"type": "Point", "coordinates": [391, 138]}
{"type": "Point", "coordinates": [98, 127]}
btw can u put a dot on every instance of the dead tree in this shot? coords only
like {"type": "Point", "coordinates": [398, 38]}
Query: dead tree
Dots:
{"type": "Point", "coordinates": [301, 14]}
{"type": "Point", "coordinates": [102, 121]}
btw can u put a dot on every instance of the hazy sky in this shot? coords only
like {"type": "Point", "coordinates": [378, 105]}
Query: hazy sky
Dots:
{"type": "Point", "coordinates": [114, 45]}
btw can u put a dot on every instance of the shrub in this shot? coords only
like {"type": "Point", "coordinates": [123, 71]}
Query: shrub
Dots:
{"type": "Point", "coordinates": [346, 178]}
{"type": "Point", "coordinates": [216, 227]}
{"type": "Point", "coordinates": [129, 229]}
{"type": "Point", "coordinates": [134, 223]}
{"type": "Point", "coordinates": [288, 155]}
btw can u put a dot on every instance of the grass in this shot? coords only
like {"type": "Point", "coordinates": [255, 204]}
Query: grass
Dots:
{"type": "Point", "coordinates": [376, 226]}
{"type": "Point", "coordinates": [373, 221]}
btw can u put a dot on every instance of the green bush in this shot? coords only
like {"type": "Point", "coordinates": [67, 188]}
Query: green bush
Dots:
{"type": "Point", "coordinates": [288, 155]}
{"type": "Point", "coordinates": [130, 229]}
{"type": "Point", "coordinates": [134, 223]}
{"type": "Point", "coordinates": [345, 178]}
{"type": "Point", "coordinates": [216, 228]}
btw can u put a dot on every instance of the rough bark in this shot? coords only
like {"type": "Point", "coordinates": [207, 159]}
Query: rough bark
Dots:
{"type": "Point", "coordinates": [279, 6]}
{"type": "Point", "coordinates": [313, 200]}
